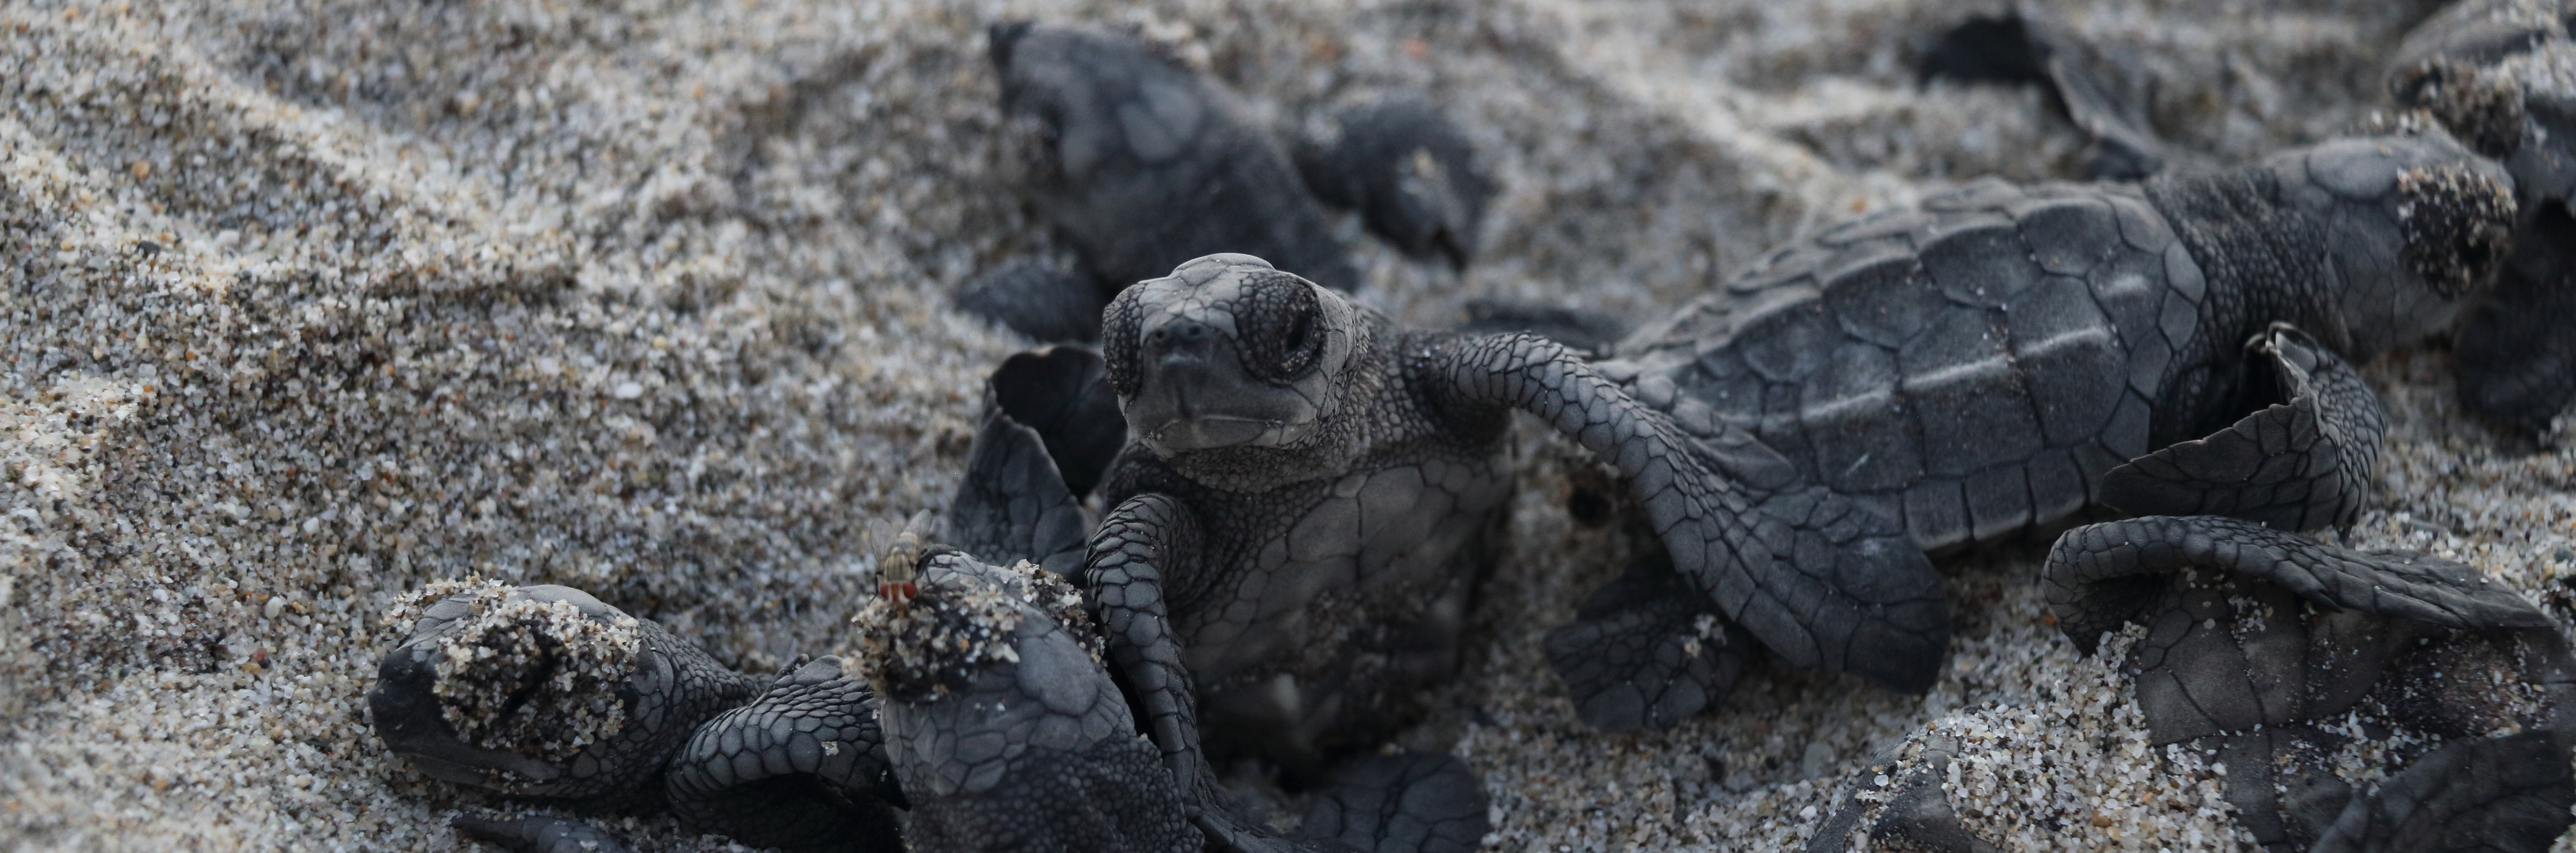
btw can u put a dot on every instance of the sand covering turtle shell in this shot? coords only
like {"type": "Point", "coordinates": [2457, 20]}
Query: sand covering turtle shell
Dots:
{"type": "Point", "coordinates": [538, 678]}
{"type": "Point", "coordinates": [920, 647]}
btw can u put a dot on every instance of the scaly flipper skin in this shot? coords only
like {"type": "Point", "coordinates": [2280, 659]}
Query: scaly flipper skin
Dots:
{"type": "Point", "coordinates": [1050, 427]}
{"type": "Point", "coordinates": [1819, 580]}
{"type": "Point", "coordinates": [1005, 730]}
{"type": "Point", "coordinates": [2258, 640]}
{"type": "Point", "coordinates": [2508, 793]}
{"type": "Point", "coordinates": [2091, 586]}
{"type": "Point", "coordinates": [1143, 164]}
{"type": "Point", "coordinates": [1409, 172]}
{"type": "Point", "coordinates": [1646, 651]}
{"type": "Point", "coordinates": [2300, 465]}
{"type": "Point", "coordinates": [803, 767]}
{"type": "Point", "coordinates": [1409, 803]}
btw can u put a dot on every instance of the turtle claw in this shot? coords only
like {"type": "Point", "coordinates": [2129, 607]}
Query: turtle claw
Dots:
{"type": "Point", "coordinates": [1646, 651]}
{"type": "Point", "coordinates": [1409, 803]}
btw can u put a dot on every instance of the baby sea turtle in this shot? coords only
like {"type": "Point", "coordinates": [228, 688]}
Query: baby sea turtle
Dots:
{"type": "Point", "coordinates": [546, 692]}
{"type": "Point", "coordinates": [2499, 74]}
{"type": "Point", "coordinates": [1923, 378]}
{"type": "Point", "coordinates": [2502, 75]}
{"type": "Point", "coordinates": [1142, 163]}
{"type": "Point", "coordinates": [1001, 727]}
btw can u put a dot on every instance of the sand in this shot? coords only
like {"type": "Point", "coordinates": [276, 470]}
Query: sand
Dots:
{"type": "Point", "coordinates": [310, 304]}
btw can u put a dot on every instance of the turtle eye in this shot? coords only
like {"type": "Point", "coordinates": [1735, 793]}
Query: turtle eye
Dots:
{"type": "Point", "coordinates": [1278, 322]}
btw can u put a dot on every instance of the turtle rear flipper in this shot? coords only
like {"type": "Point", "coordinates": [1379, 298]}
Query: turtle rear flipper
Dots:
{"type": "Point", "coordinates": [801, 768]}
{"type": "Point", "coordinates": [2300, 465]}
{"type": "Point", "coordinates": [1050, 427]}
{"type": "Point", "coordinates": [537, 834]}
{"type": "Point", "coordinates": [1409, 803]}
{"type": "Point", "coordinates": [2508, 793]}
{"type": "Point", "coordinates": [1646, 651]}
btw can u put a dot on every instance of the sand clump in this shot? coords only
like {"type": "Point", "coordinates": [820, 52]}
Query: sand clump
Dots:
{"type": "Point", "coordinates": [537, 678]}
{"type": "Point", "coordinates": [309, 304]}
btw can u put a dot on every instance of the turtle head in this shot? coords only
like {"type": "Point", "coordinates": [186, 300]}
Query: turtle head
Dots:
{"type": "Point", "coordinates": [2415, 229]}
{"type": "Point", "coordinates": [1079, 102]}
{"type": "Point", "coordinates": [1229, 353]}
{"type": "Point", "coordinates": [2372, 242]}
{"type": "Point", "coordinates": [532, 691]}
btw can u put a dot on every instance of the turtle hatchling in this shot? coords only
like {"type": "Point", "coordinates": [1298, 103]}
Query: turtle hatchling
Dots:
{"type": "Point", "coordinates": [1920, 379]}
{"type": "Point", "coordinates": [1142, 163]}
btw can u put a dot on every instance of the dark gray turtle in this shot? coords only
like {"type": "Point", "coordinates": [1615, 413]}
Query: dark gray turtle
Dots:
{"type": "Point", "coordinates": [545, 692]}
{"type": "Point", "coordinates": [1970, 369]}
{"type": "Point", "coordinates": [1307, 504]}
{"type": "Point", "coordinates": [2502, 74]}
{"type": "Point", "coordinates": [1002, 723]}
{"type": "Point", "coordinates": [1002, 730]}
{"type": "Point", "coordinates": [1143, 164]}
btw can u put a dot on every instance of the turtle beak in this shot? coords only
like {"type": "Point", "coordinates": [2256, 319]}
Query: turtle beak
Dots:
{"type": "Point", "coordinates": [1197, 396]}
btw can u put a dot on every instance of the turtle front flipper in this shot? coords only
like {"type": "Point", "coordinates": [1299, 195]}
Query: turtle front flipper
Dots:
{"type": "Point", "coordinates": [1000, 722]}
{"type": "Point", "coordinates": [1051, 425]}
{"type": "Point", "coordinates": [2509, 793]}
{"type": "Point", "coordinates": [1646, 651]}
{"type": "Point", "coordinates": [2300, 465]}
{"type": "Point", "coordinates": [801, 768]}
{"type": "Point", "coordinates": [1816, 577]}
{"type": "Point", "coordinates": [1409, 803]}
{"type": "Point", "coordinates": [538, 834]}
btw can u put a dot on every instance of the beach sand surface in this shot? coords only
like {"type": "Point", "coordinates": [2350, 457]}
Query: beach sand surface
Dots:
{"type": "Point", "coordinates": [308, 304]}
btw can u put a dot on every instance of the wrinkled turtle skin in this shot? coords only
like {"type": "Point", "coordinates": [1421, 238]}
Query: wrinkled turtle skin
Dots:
{"type": "Point", "coordinates": [1966, 370]}
{"type": "Point", "coordinates": [2501, 74]}
{"type": "Point", "coordinates": [1142, 163]}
